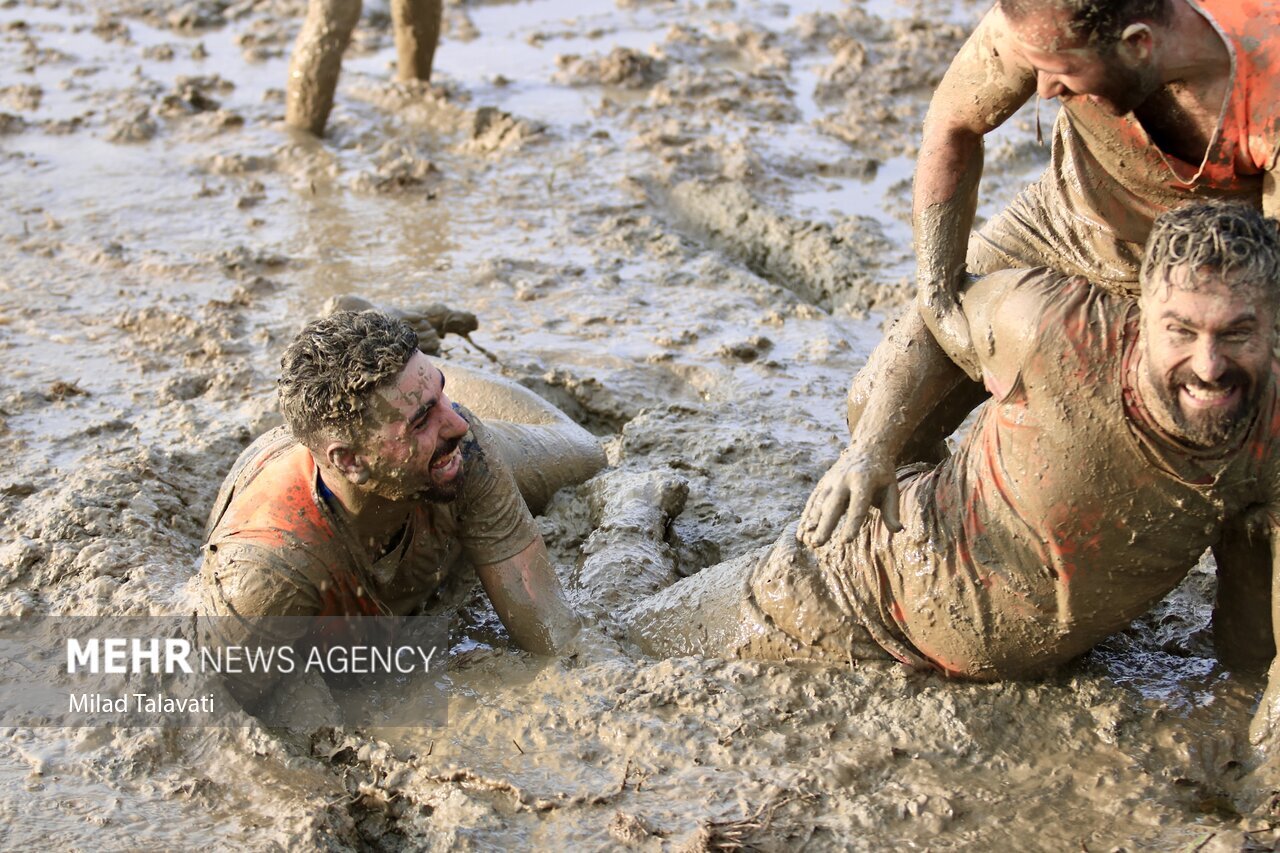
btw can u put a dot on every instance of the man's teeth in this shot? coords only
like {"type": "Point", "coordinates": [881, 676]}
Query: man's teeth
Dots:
{"type": "Point", "coordinates": [1207, 395]}
{"type": "Point", "coordinates": [446, 459]}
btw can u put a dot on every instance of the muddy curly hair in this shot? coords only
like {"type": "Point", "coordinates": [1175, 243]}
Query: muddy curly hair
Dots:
{"type": "Point", "coordinates": [1099, 21]}
{"type": "Point", "coordinates": [333, 366]}
{"type": "Point", "coordinates": [1233, 242]}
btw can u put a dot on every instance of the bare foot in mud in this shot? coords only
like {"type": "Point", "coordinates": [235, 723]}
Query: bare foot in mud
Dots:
{"type": "Point", "coordinates": [627, 555]}
{"type": "Point", "coordinates": [432, 322]}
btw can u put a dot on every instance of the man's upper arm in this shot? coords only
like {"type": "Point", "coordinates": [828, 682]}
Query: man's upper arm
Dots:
{"type": "Point", "coordinates": [494, 521]}
{"type": "Point", "coordinates": [985, 84]}
{"type": "Point", "coordinates": [250, 598]}
{"type": "Point", "coordinates": [1004, 311]}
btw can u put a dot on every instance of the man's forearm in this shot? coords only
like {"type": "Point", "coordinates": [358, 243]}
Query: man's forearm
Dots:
{"type": "Point", "coordinates": [900, 386]}
{"type": "Point", "coordinates": [945, 200]}
{"type": "Point", "coordinates": [529, 600]}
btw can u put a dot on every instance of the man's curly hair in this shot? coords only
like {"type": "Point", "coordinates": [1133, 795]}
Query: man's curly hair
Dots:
{"type": "Point", "coordinates": [1100, 22]}
{"type": "Point", "coordinates": [1231, 242]}
{"type": "Point", "coordinates": [333, 366]}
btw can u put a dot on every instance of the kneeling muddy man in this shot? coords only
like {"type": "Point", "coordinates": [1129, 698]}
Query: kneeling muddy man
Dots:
{"type": "Point", "coordinates": [378, 488]}
{"type": "Point", "coordinates": [1121, 441]}
{"type": "Point", "coordinates": [317, 54]}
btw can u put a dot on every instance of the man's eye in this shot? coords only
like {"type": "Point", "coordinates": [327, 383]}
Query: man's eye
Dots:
{"type": "Point", "coordinates": [1180, 332]}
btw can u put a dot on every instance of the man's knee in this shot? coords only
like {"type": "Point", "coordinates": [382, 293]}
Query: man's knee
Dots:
{"type": "Point", "coordinates": [789, 590]}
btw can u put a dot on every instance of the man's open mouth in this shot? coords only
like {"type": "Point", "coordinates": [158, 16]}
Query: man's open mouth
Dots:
{"type": "Point", "coordinates": [1210, 396]}
{"type": "Point", "coordinates": [447, 458]}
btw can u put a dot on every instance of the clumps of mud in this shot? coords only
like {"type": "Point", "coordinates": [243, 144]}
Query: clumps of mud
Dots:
{"type": "Point", "coordinates": [830, 266]}
{"type": "Point", "coordinates": [622, 67]}
{"type": "Point", "coordinates": [880, 76]}
{"type": "Point", "coordinates": [134, 127]}
{"type": "Point", "coordinates": [10, 123]}
{"type": "Point", "coordinates": [398, 167]}
{"type": "Point", "coordinates": [114, 535]}
{"type": "Point", "coordinates": [493, 131]}
{"type": "Point", "coordinates": [198, 94]}
{"type": "Point", "coordinates": [24, 97]}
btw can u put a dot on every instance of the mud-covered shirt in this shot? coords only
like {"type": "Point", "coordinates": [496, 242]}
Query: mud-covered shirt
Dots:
{"type": "Point", "coordinates": [276, 548]}
{"type": "Point", "coordinates": [1114, 176]}
{"type": "Point", "coordinates": [1065, 514]}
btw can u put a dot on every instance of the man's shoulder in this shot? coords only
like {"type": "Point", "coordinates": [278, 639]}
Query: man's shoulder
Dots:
{"type": "Point", "coordinates": [1250, 24]}
{"type": "Point", "coordinates": [269, 496]}
{"type": "Point", "coordinates": [1028, 311]}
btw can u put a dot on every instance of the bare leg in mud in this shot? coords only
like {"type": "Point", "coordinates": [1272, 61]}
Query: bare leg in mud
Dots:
{"type": "Point", "coordinates": [317, 54]}
{"type": "Point", "coordinates": [316, 61]}
{"type": "Point", "coordinates": [627, 556]}
{"type": "Point", "coordinates": [417, 28]}
{"type": "Point", "coordinates": [770, 604]}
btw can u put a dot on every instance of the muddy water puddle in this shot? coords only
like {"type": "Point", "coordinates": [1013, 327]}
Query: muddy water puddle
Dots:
{"type": "Point", "coordinates": [165, 236]}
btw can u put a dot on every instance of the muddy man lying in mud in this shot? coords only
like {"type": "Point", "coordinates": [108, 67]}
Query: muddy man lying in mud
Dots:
{"type": "Point", "coordinates": [379, 487]}
{"type": "Point", "coordinates": [1122, 440]}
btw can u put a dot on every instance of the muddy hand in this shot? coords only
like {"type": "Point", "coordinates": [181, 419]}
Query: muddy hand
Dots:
{"type": "Point", "coordinates": [941, 313]}
{"type": "Point", "coordinates": [845, 495]}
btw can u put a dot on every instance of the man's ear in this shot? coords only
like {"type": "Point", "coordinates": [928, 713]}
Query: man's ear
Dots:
{"type": "Point", "coordinates": [1137, 42]}
{"type": "Point", "coordinates": [344, 459]}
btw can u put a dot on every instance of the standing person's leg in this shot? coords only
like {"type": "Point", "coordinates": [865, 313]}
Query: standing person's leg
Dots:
{"type": "Point", "coordinates": [542, 446]}
{"type": "Point", "coordinates": [417, 28]}
{"type": "Point", "coordinates": [316, 62]}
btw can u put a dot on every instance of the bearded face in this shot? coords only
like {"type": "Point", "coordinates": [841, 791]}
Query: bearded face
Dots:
{"type": "Point", "coordinates": [1206, 355]}
{"type": "Point", "coordinates": [413, 450]}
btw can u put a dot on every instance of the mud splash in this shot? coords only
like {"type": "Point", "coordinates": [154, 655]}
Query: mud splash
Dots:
{"type": "Point", "coordinates": [167, 235]}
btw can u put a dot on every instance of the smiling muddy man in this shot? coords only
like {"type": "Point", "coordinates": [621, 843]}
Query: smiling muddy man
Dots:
{"type": "Point", "coordinates": [1122, 440]}
{"type": "Point", "coordinates": [378, 489]}
{"type": "Point", "coordinates": [1164, 102]}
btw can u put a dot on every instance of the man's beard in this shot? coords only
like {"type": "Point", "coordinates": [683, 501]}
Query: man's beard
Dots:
{"type": "Point", "coordinates": [444, 493]}
{"type": "Point", "coordinates": [1129, 90]}
{"type": "Point", "coordinates": [1207, 428]}
{"type": "Point", "coordinates": [394, 484]}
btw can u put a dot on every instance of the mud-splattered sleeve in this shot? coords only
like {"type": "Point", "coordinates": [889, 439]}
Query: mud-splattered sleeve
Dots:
{"type": "Point", "coordinates": [494, 523]}
{"type": "Point", "coordinates": [250, 597]}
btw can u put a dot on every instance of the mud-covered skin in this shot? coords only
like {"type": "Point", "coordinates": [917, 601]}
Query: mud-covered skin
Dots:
{"type": "Point", "coordinates": [325, 34]}
{"type": "Point", "coordinates": [168, 303]}
{"type": "Point", "coordinates": [281, 543]}
{"type": "Point", "coordinates": [1010, 562]}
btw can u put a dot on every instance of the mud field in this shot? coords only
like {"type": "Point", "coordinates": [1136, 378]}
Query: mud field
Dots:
{"type": "Point", "coordinates": [684, 223]}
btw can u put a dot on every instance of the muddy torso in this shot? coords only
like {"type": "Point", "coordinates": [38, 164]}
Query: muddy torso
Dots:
{"type": "Point", "coordinates": [1115, 175]}
{"type": "Point", "coordinates": [276, 545]}
{"type": "Point", "coordinates": [1061, 518]}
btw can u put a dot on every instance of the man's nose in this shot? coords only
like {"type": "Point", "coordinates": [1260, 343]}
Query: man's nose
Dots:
{"type": "Point", "coordinates": [1048, 86]}
{"type": "Point", "coordinates": [454, 424]}
{"type": "Point", "coordinates": [1207, 362]}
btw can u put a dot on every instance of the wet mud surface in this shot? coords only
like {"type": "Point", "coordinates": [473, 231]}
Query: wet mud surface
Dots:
{"type": "Point", "coordinates": [683, 223]}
